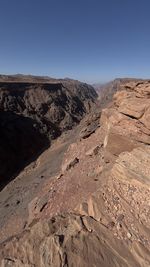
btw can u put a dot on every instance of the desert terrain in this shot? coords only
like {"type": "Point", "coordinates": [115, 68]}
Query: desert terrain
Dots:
{"type": "Point", "coordinates": [75, 173]}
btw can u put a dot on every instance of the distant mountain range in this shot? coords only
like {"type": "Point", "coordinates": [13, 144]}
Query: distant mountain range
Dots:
{"type": "Point", "coordinates": [30, 78]}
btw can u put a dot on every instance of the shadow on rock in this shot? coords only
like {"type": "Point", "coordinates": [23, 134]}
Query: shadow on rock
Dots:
{"type": "Point", "coordinates": [21, 142]}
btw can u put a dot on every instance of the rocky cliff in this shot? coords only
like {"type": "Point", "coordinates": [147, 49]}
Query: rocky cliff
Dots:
{"type": "Point", "coordinates": [95, 211]}
{"type": "Point", "coordinates": [32, 113]}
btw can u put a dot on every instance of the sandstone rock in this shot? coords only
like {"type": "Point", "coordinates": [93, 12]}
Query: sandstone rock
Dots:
{"type": "Point", "coordinates": [99, 170]}
{"type": "Point", "coordinates": [31, 209]}
{"type": "Point", "coordinates": [93, 151]}
{"type": "Point", "coordinates": [69, 164]}
{"type": "Point", "coordinates": [69, 240]}
{"type": "Point", "coordinates": [134, 107]}
{"type": "Point", "coordinates": [133, 165]}
{"type": "Point", "coordinates": [146, 118]}
{"type": "Point", "coordinates": [91, 208]}
{"type": "Point", "coordinates": [142, 89]}
{"type": "Point", "coordinates": [117, 143]}
{"type": "Point", "coordinates": [121, 96]}
{"type": "Point", "coordinates": [87, 131]}
{"type": "Point", "coordinates": [36, 206]}
{"type": "Point", "coordinates": [59, 176]}
{"type": "Point", "coordinates": [126, 125]}
{"type": "Point", "coordinates": [90, 125]}
{"type": "Point", "coordinates": [129, 235]}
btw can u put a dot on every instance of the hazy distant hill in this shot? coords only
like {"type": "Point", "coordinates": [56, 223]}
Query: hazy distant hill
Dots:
{"type": "Point", "coordinates": [106, 91]}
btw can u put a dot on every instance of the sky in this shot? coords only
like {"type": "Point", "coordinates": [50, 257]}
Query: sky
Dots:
{"type": "Point", "coordinates": [89, 40]}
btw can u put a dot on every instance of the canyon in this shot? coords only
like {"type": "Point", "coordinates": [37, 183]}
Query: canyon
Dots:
{"type": "Point", "coordinates": [75, 173]}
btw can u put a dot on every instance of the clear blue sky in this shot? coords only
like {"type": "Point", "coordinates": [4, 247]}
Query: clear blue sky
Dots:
{"type": "Point", "coordinates": [89, 40]}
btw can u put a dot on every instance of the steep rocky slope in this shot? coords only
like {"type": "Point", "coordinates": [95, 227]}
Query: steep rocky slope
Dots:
{"type": "Point", "coordinates": [96, 210]}
{"type": "Point", "coordinates": [32, 113]}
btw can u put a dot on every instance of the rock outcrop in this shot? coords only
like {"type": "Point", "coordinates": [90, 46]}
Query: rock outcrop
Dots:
{"type": "Point", "coordinates": [126, 124]}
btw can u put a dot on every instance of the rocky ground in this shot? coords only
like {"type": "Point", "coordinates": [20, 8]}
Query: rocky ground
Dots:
{"type": "Point", "coordinates": [93, 209]}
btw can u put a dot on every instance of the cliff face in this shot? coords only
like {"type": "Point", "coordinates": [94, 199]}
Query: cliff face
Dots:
{"type": "Point", "coordinates": [32, 114]}
{"type": "Point", "coordinates": [126, 123]}
{"type": "Point", "coordinates": [95, 211]}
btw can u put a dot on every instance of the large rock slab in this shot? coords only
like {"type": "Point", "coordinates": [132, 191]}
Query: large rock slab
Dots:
{"type": "Point", "coordinates": [134, 107]}
{"type": "Point", "coordinates": [133, 165]}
